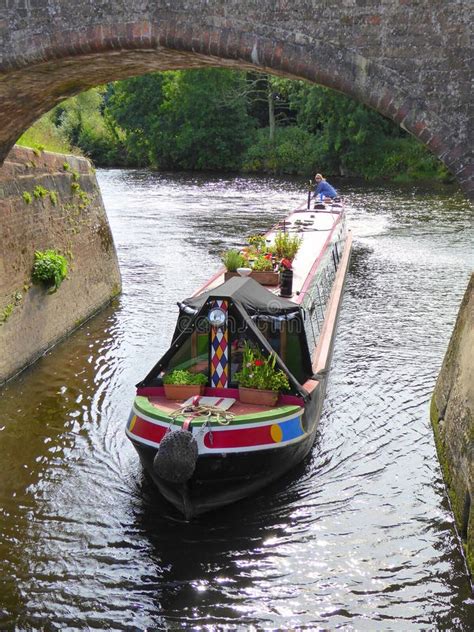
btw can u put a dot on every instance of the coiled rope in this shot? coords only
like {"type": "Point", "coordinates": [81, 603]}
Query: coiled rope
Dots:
{"type": "Point", "coordinates": [214, 413]}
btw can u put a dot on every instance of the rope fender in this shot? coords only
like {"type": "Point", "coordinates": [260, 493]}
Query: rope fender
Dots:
{"type": "Point", "coordinates": [175, 460]}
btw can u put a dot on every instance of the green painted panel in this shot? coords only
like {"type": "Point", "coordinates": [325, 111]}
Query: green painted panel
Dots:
{"type": "Point", "coordinates": [144, 406]}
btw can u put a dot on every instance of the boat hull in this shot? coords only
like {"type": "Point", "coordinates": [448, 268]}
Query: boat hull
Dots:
{"type": "Point", "coordinates": [226, 477]}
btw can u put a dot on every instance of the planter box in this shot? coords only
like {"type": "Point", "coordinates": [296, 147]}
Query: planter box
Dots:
{"type": "Point", "coordinates": [182, 391]}
{"type": "Point", "coordinates": [266, 278]}
{"type": "Point", "coordinates": [258, 396]}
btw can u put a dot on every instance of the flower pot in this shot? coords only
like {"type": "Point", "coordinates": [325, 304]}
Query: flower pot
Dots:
{"type": "Point", "coordinates": [265, 278]}
{"type": "Point", "coordinates": [228, 275]}
{"type": "Point", "coordinates": [258, 396]}
{"type": "Point", "coordinates": [182, 391]}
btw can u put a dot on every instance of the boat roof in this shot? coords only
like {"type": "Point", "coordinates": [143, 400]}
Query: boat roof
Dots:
{"type": "Point", "coordinates": [252, 296]}
{"type": "Point", "coordinates": [316, 226]}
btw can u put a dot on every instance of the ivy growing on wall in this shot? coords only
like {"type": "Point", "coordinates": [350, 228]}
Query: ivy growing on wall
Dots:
{"type": "Point", "coordinates": [50, 268]}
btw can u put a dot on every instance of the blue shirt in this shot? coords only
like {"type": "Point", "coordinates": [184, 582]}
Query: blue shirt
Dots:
{"type": "Point", "coordinates": [326, 189]}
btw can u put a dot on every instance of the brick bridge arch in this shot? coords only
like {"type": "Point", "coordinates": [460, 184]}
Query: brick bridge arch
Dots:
{"type": "Point", "coordinates": [407, 59]}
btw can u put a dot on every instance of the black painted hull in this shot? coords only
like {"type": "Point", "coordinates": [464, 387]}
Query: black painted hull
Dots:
{"type": "Point", "coordinates": [222, 479]}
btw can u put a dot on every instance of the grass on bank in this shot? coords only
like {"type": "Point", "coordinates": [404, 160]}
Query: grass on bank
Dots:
{"type": "Point", "coordinates": [43, 135]}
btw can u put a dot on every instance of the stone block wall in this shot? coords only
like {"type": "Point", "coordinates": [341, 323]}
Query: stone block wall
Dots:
{"type": "Point", "coordinates": [452, 416]}
{"type": "Point", "coordinates": [50, 201]}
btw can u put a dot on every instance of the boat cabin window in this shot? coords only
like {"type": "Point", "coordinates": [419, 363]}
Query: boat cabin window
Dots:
{"type": "Point", "coordinates": [284, 338]}
{"type": "Point", "coordinates": [193, 355]}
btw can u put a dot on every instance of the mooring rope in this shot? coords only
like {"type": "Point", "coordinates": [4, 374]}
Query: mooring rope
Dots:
{"type": "Point", "coordinates": [222, 417]}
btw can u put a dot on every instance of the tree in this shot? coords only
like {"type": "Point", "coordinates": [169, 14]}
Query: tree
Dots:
{"type": "Point", "coordinates": [133, 106]}
{"type": "Point", "coordinates": [183, 119]}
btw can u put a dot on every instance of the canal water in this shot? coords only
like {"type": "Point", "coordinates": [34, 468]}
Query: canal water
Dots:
{"type": "Point", "coordinates": [360, 537]}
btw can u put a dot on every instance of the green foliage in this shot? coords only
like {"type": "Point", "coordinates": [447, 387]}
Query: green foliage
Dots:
{"type": "Point", "coordinates": [45, 135]}
{"type": "Point", "coordinates": [258, 371]}
{"type": "Point", "coordinates": [66, 166]}
{"type": "Point", "coordinates": [7, 311]}
{"type": "Point", "coordinates": [184, 120]}
{"type": "Point", "coordinates": [179, 376]}
{"type": "Point", "coordinates": [232, 259]}
{"type": "Point", "coordinates": [132, 109]}
{"type": "Point", "coordinates": [293, 151]}
{"type": "Point", "coordinates": [27, 197]}
{"type": "Point", "coordinates": [263, 263]}
{"type": "Point", "coordinates": [286, 246]}
{"type": "Point", "coordinates": [258, 242]}
{"type": "Point", "coordinates": [217, 119]}
{"type": "Point", "coordinates": [80, 120]}
{"type": "Point", "coordinates": [50, 268]}
{"type": "Point", "coordinates": [40, 192]}
{"type": "Point", "coordinates": [53, 196]}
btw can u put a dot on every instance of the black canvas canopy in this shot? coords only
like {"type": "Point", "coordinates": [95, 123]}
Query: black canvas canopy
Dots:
{"type": "Point", "coordinates": [251, 301]}
{"type": "Point", "coordinates": [252, 296]}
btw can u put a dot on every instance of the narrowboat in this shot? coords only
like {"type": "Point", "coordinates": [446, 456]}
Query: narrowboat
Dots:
{"type": "Point", "coordinates": [215, 446]}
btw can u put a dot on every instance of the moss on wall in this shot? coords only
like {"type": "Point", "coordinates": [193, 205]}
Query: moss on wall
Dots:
{"type": "Point", "coordinates": [41, 210]}
{"type": "Point", "coordinates": [452, 418]}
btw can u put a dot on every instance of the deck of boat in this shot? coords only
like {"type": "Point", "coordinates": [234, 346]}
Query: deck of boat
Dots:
{"type": "Point", "coordinates": [238, 409]}
{"type": "Point", "coordinates": [316, 227]}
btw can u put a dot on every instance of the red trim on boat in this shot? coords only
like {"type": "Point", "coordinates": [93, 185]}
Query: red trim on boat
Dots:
{"type": "Point", "coordinates": [239, 438]}
{"type": "Point", "coordinates": [146, 430]}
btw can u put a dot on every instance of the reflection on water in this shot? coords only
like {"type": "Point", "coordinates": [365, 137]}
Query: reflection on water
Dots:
{"type": "Point", "coordinates": [359, 537]}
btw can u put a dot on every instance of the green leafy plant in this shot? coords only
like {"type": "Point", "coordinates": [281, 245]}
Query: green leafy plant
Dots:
{"type": "Point", "coordinates": [40, 192]}
{"type": "Point", "coordinates": [66, 166]}
{"type": "Point", "coordinates": [232, 259]}
{"type": "Point", "coordinates": [53, 196]}
{"type": "Point", "coordinates": [263, 263]}
{"type": "Point", "coordinates": [182, 376]}
{"type": "Point", "coordinates": [27, 197]}
{"type": "Point", "coordinates": [50, 268]}
{"type": "Point", "coordinates": [258, 242]}
{"type": "Point", "coordinates": [286, 246]}
{"type": "Point", "coordinates": [6, 312]}
{"type": "Point", "coordinates": [258, 371]}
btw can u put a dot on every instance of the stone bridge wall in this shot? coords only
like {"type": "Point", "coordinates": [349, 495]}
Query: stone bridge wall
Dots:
{"type": "Point", "coordinates": [66, 215]}
{"type": "Point", "coordinates": [408, 59]}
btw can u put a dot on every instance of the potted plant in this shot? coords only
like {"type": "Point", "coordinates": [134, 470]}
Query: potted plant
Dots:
{"type": "Point", "coordinates": [259, 381]}
{"type": "Point", "coordinates": [232, 259]}
{"type": "Point", "coordinates": [263, 270]}
{"type": "Point", "coordinates": [286, 246]}
{"type": "Point", "coordinates": [181, 384]}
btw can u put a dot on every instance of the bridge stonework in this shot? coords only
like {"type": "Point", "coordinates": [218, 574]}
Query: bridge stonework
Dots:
{"type": "Point", "coordinates": [407, 59]}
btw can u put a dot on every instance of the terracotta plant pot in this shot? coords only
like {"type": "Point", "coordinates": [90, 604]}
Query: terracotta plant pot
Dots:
{"type": "Point", "coordinates": [266, 278]}
{"type": "Point", "coordinates": [258, 396]}
{"type": "Point", "coordinates": [182, 391]}
{"type": "Point", "coordinates": [228, 275]}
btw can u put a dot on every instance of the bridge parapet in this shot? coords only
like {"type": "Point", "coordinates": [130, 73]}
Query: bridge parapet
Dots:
{"type": "Point", "coordinates": [407, 60]}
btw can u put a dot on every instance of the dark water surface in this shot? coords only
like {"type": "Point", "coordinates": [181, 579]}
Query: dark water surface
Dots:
{"type": "Point", "coordinates": [359, 538]}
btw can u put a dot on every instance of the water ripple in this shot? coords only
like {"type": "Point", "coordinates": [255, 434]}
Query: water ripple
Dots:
{"type": "Point", "coordinates": [358, 537]}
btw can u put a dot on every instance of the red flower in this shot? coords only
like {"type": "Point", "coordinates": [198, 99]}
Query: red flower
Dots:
{"type": "Point", "coordinates": [286, 263]}
{"type": "Point", "coordinates": [259, 362]}
{"type": "Point", "coordinates": [268, 255]}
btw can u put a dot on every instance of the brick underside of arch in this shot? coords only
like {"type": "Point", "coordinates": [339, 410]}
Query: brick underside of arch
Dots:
{"type": "Point", "coordinates": [69, 62]}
